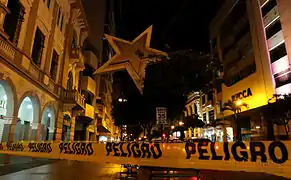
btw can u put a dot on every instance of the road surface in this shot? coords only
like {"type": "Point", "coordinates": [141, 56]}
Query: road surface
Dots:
{"type": "Point", "coordinates": [22, 168]}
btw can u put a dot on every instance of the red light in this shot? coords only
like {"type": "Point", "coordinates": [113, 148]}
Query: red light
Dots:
{"type": "Point", "coordinates": [164, 135]}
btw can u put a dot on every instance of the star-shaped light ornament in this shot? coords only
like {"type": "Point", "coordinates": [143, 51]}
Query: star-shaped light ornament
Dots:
{"type": "Point", "coordinates": [132, 56]}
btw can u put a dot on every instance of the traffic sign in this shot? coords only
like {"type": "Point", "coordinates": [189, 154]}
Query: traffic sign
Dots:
{"type": "Point", "coordinates": [161, 115]}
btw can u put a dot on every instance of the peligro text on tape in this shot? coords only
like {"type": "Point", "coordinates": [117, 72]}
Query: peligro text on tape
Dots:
{"type": "Point", "coordinates": [136, 150]}
{"type": "Point", "coordinates": [256, 149]}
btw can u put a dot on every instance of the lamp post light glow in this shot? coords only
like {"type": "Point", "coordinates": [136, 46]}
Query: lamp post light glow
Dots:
{"type": "Point", "coordinates": [181, 123]}
{"type": "Point", "coordinates": [238, 103]}
{"type": "Point", "coordinates": [122, 100]}
{"type": "Point", "coordinates": [172, 127]}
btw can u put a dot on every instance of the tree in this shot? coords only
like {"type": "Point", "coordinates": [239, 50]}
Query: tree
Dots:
{"type": "Point", "coordinates": [279, 113]}
{"type": "Point", "coordinates": [168, 82]}
{"type": "Point", "coordinates": [235, 107]}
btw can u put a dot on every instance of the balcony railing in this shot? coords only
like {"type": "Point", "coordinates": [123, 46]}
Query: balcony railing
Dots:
{"type": "Point", "coordinates": [73, 97]}
{"type": "Point", "coordinates": [20, 61]}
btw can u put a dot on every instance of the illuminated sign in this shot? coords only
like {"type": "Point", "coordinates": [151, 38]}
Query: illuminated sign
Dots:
{"type": "Point", "coordinates": [244, 94]}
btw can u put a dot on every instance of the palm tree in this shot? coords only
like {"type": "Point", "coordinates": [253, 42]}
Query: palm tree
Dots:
{"type": "Point", "coordinates": [235, 107]}
{"type": "Point", "coordinates": [278, 112]}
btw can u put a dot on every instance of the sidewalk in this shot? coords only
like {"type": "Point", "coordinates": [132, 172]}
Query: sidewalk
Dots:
{"type": "Point", "coordinates": [19, 163]}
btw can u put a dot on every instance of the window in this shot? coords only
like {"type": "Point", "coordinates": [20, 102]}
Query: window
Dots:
{"type": "Point", "coordinates": [211, 115]}
{"type": "Point", "coordinates": [62, 22]}
{"type": "Point", "coordinates": [191, 110]}
{"type": "Point", "coordinates": [38, 46]}
{"type": "Point", "coordinates": [88, 71]}
{"type": "Point", "coordinates": [54, 65]}
{"type": "Point", "coordinates": [48, 3]}
{"type": "Point", "coordinates": [268, 7]}
{"type": "Point", "coordinates": [285, 78]}
{"type": "Point", "coordinates": [210, 96]}
{"type": "Point", "coordinates": [278, 52]}
{"type": "Point", "coordinates": [204, 117]}
{"type": "Point", "coordinates": [250, 69]}
{"type": "Point", "coordinates": [88, 97]}
{"type": "Point", "coordinates": [59, 16]}
{"type": "Point", "coordinates": [13, 20]}
{"type": "Point", "coordinates": [74, 40]}
{"type": "Point", "coordinates": [195, 109]}
{"type": "Point", "coordinates": [273, 29]}
{"type": "Point", "coordinates": [70, 81]}
{"type": "Point", "coordinates": [203, 99]}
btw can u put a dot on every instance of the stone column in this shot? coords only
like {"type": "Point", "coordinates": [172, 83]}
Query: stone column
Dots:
{"type": "Point", "coordinates": [59, 125]}
{"type": "Point", "coordinates": [3, 11]}
{"type": "Point", "coordinates": [72, 132]}
{"type": "Point", "coordinates": [12, 128]}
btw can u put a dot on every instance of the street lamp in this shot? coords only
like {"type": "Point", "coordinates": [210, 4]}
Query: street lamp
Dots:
{"type": "Point", "coordinates": [122, 100]}
{"type": "Point", "coordinates": [172, 127]}
{"type": "Point", "coordinates": [238, 103]}
{"type": "Point", "coordinates": [181, 123]}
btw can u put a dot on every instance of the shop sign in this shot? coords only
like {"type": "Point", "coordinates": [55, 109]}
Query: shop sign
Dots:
{"type": "Point", "coordinates": [241, 95]}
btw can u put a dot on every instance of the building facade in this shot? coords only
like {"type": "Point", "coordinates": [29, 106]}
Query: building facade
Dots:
{"type": "Point", "coordinates": [251, 40]}
{"type": "Point", "coordinates": [47, 87]}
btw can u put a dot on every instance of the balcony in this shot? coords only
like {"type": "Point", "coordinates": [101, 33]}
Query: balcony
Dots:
{"type": "Point", "coordinates": [17, 60]}
{"type": "Point", "coordinates": [272, 16]}
{"type": "Point", "coordinates": [275, 40]}
{"type": "Point", "coordinates": [73, 98]}
{"type": "Point", "coordinates": [88, 84]}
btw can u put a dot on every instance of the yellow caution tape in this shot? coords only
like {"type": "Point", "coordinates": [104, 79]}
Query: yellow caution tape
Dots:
{"type": "Point", "coordinates": [271, 157]}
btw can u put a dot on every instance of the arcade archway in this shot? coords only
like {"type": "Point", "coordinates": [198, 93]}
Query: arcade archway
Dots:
{"type": "Point", "coordinates": [47, 123]}
{"type": "Point", "coordinates": [6, 109]}
{"type": "Point", "coordinates": [28, 118]}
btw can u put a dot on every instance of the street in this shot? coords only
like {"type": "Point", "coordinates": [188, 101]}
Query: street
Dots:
{"type": "Point", "coordinates": [43, 169]}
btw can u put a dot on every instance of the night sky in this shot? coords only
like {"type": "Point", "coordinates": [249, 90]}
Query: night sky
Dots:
{"type": "Point", "coordinates": [182, 24]}
{"type": "Point", "coordinates": [177, 25]}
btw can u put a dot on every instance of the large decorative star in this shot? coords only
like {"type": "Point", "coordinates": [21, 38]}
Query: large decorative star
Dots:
{"type": "Point", "coordinates": [132, 56]}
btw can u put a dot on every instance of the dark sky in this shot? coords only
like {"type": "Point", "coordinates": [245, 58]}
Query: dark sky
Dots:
{"type": "Point", "coordinates": [182, 24]}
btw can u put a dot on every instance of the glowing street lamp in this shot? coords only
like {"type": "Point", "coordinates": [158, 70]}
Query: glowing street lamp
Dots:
{"type": "Point", "coordinates": [238, 103]}
{"type": "Point", "coordinates": [172, 127]}
{"type": "Point", "coordinates": [181, 123]}
{"type": "Point", "coordinates": [122, 100]}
